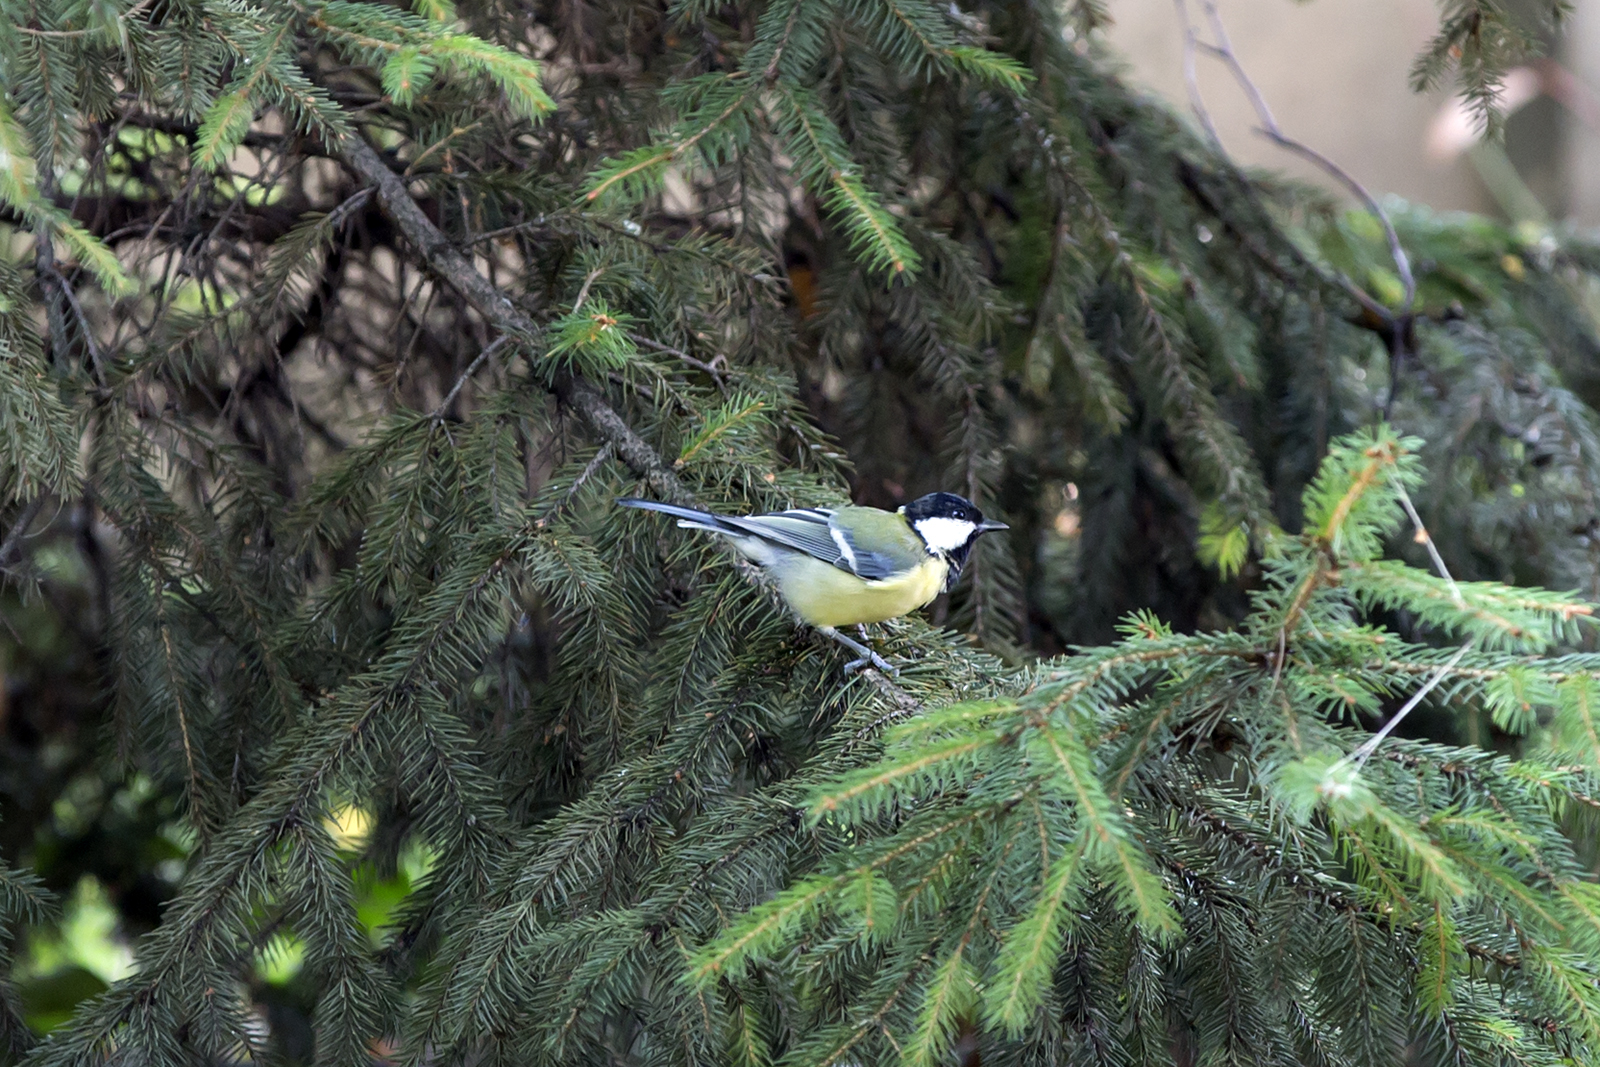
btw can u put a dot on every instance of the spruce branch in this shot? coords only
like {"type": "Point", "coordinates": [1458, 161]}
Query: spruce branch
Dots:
{"type": "Point", "coordinates": [132, 12]}
{"type": "Point", "coordinates": [605, 752]}
{"type": "Point", "coordinates": [1477, 615]}
{"type": "Point", "coordinates": [442, 258]}
{"type": "Point", "coordinates": [501, 312]}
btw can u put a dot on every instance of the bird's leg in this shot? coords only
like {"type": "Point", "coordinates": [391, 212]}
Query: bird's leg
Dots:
{"type": "Point", "coordinates": [867, 656]}
{"type": "Point", "coordinates": [866, 639]}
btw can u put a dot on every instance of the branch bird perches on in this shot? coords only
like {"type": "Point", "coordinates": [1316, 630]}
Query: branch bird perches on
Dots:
{"type": "Point", "coordinates": [600, 417]}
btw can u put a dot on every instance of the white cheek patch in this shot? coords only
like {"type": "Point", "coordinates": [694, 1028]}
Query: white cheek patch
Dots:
{"type": "Point", "coordinates": [945, 535]}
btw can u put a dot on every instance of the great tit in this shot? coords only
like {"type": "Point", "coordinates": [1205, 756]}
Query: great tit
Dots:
{"type": "Point", "coordinates": [851, 565]}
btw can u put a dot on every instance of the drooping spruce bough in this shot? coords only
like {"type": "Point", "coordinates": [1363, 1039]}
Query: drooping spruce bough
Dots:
{"type": "Point", "coordinates": [1174, 847]}
{"type": "Point", "coordinates": [355, 319]}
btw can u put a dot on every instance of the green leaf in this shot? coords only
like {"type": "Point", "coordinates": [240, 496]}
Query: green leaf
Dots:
{"type": "Point", "coordinates": [762, 930]}
{"type": "Point", "coordinates": [824, 163]}
{"type": "Point", "coordinates": [1224, 539]}
{"type": "Point", "coordinates": [223, 129]}
{"type": "Point", "coordinates": [1112, 847]}
{"type": "Point", "coordinates": [1575, 728]}
{"type": "Point", "coordinates": [93, 255]}
{"type": "Point", "coordinates": [1515, 696]}
{"type": "Point", "coordinates": [870, 899]}
{"type": "Point", "coordinates": [1441, 959]}
{"type": "Point", "coordinates": [592, 340]}
{"type": "Point", "coordinates": [996, 68]}
{"type": "Point", "coordinates": [407, 73]}
{"type": "Point", "coordinates": [16, 160]}
{"type": "Point", "coordinates": [949, 996]}
{"type": "Point", "coordinates": [1352, 503]}
{"type": "Point", "coordinates": [931, 768]}
{"type": "Point", "coordinates": [1568, 980]}
{"type": "Point", "coordinates": [1494, 615]}
{"type": "Point", "coordinates": [517, 76]}
{"type": "Point", "coordinates": [736, 425]}
{"type": "Point", "coordinates": [747, 1039]}
{"type": "Point", "coordinates": [39, 449]}
{"type": "Point", "coordinates": [435, 10]}
{"type": "Point", "coordinates": [1028, 957]}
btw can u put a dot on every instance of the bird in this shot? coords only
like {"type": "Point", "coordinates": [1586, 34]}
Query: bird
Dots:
{"type": "Point", "coordinates": [852, 565]}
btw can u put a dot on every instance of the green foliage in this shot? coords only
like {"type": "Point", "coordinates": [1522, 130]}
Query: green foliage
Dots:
{"type": "Point", "coordinates": [16, 176]}
{"type": "Point", "coordinates": [591, 340]}
{"type": "Point", "coordinates": [408, 49]}
{"type": "Point", "coordinates": [1478, 42]}
{"type": "Point", "coordinates": [41, 455]}
{"type": "Point", "coordinates": [824, 165]}
{"type": "Point", "coordinates": [328, 335]}
{"type": "Point", "coordinates": [1157, 791]}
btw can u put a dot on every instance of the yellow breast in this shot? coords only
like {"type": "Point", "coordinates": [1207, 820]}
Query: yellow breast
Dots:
{"type": "Point", "coordinates": [824, 595]}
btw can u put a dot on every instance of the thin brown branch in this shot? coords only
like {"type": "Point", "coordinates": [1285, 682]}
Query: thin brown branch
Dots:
{"type": "Point", "coordinates": [698, 364]}
{"type": "Point", "coordinates": [490, 349]}
{"type": "Point", "coordinates": [1222, 49]}
{"type": "Point", "coordinates": [442, 258]}
{"type": "Point", "coordinates": [11, 547]}
{"type": "Point", "coordinates": [575, 392]}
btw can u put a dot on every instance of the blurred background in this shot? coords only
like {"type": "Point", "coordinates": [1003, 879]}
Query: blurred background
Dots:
{"type": "Point", "coordinates": [1335, 74]}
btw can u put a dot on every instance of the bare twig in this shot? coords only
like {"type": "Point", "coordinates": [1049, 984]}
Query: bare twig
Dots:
{"type": "Point", "coordinates": [771, 73]}
{"type": "Point", "coordinates": [589, 471]}
{"type": "Point", "coordinates": [454, 268]}
{"type": "Point", "coordinates": [50, 282]}
{"type": "Point", "coordinates": [71, 297]}
{"type": "Point", "coordinates": [1223, 50]}
{"type": "Point", "coordinates": [440, 143]}
{"type": "Point", "coordinates": [506, 231]}
{"type": "Point", "coordinates": [1191, 77]}
{"type": "Point", "coordinates": [1427, 539]}
{"type": "Point", "coordinates": [12, 545]}
{"type": "Point", "coordinates": [698, 364]}
{"type": "Point", "coordinates": [583, 293]}
{"type": "Point", "coordinates": [1360, 755]}
{"type": "Point", "coordinates": [472, 368]}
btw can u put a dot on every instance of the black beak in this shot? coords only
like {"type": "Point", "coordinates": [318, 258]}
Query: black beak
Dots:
{"type": "Point", "coordinates": [985, 527]}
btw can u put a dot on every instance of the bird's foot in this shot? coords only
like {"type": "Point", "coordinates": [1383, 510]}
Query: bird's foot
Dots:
{"type": "Point", "coordinates": [872, 660]}
{"type": "Point", "coordinates": [866, 657]}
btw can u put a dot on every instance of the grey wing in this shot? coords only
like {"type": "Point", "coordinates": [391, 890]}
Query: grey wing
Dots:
{"type": "Point", "coordinates": [815, 532]}
{"type": "Point", "coordinates": [804, 530]}
{"type": "Point", "coordinates": [807, 530]}
{"type": "Point", "coordinates": [864, 563]}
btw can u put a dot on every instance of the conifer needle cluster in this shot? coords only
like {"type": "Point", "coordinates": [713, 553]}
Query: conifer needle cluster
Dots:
{"type": "Point", "coordinates": [330, 331]}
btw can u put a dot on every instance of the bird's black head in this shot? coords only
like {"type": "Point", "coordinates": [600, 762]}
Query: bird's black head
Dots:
{"type": "Point", "coordinates": [948, 525]}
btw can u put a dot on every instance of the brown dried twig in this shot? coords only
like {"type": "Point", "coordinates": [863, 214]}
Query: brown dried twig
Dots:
{"type": "Point", "coordinates": [1395, 327]}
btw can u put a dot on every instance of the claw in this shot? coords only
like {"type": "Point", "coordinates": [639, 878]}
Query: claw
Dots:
{"type": "Point", "coordinates": [866, 655]}
{"type": "Point", "coordinates": [872, 659]}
